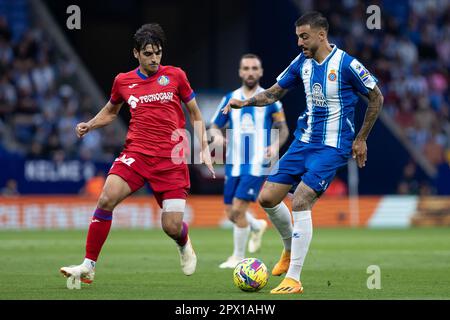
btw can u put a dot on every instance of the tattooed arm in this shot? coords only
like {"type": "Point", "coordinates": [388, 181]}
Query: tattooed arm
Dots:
{"type": "Point", "coordinates": [359, 149]}
{"type": "Point", "coordinates": [264, 98]}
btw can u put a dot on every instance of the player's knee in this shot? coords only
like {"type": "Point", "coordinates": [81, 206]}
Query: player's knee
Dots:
{"type": "Point", "coordinates": [235, 215]}
{"type": "Point", "coordinates": [106, 201]}
{"type": "Point", "coordinates": [266, 201]}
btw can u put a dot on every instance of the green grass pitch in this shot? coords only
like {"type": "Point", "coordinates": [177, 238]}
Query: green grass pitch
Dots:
{"type": "Point", "coordinates": [138, 264]}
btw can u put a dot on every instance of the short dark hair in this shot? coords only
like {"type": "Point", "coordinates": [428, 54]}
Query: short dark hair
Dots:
{"type": "Point", "coordinates": [314, 18]}
{"type": "Point", "coordinates": [251, 56]}
{"type": "Point", "coordinates": [150, 33]}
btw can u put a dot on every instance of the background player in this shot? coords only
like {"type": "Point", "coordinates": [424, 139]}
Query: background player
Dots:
{"type": "Point", "coordinates": [154, 93]}
{"type": "Point", "coordinates": [324, 137]}
{"type": "Point", "coordinates": [249, 153]}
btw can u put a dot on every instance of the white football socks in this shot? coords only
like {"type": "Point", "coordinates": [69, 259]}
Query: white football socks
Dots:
{"type": "Point", "coordinates": [281, 219]}
{"type": "Point", "coordinates": [255, 224]}
{"type": "Point", "coordinates": [89, 263]}
{"type": "Point", "coordinates": [301, 238]}
{"type": "Point", "coordinates": [240, 237]}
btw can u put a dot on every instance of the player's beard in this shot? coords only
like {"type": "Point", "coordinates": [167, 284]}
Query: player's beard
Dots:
{"type": "Point", "coordinates": [250, 84]}
{"type": "Point", "coordinates": [311, 52]}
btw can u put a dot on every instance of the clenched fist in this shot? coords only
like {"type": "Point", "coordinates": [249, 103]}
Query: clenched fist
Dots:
{"type": "Point", "coordinates": [82, 128]}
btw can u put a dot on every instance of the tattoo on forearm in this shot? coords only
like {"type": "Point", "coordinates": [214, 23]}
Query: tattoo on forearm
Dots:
{"type": "Point", "coordinates": [372, 112]}
{"type": "Point", "coordinates": [266, 97]}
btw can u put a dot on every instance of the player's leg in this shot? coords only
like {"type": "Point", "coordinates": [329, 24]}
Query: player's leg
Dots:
{"type": "Point", "coordinates": [321, 163]}
{"type": "Point", "coordinates": [246, 191]}
{"type": "Point", "coordinates": [285, 174]}
{"type": "Point", "coordinates": [170, 184]}
{"type": "Point", "coordinates": [229, 190]}
{"type": "Point", "coordinates": [173, 225]}
{"type": "Point", "coordinates": [257, 229]}
{"type": "Point", "coordinates": [114, 191]}
{"type": "Point", "coordinates": [241, 232]}
{"type": "Point", "coordinates": [304, 199]}
{"type": "Point", "coordinates": [271, 200]}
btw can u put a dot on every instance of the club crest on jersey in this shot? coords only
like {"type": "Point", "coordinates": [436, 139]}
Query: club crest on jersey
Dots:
{"type": "Point", "coordinates": [163, 80]}
{"type": "Point", "coordinates": [132, 101]}
{"type": "Point", "coordinates": [318, 98]}
{"type": "Point", "coordinates": [332, 75]}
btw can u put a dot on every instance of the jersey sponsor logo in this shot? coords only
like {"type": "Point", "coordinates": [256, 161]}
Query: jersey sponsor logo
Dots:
{"type": "Point", "coordinates": [163, 80]}
{"type": "Point", "coordinates": [318, 97]}
{"type": "Point", "coordinates": [161, 96]}
{"type": "Point", "coordinates": [132, 101]}
{"type": "Point", "coordinates": [128, 161]}
{"type": "Point", "coordinates": [332, 75]}
{"type": "Point", "coordinates": [132, 86]}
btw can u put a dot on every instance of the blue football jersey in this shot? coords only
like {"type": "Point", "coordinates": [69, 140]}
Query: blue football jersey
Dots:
{"type": "Point", "coordinates": [331, 89]}
{"type": "Point", "coordinates": [248, 134]}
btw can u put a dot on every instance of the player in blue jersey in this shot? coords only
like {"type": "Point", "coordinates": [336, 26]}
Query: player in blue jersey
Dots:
{"type": "Point", "coordinates": [253, 146]}
{"type": "Point", "coordinates": [324, 138]}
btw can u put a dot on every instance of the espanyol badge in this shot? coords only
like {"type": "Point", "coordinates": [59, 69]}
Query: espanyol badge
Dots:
{"type": "Point", "coordinates": [332, 75]}
{"type": "Point", "coordinates": [163, 80]}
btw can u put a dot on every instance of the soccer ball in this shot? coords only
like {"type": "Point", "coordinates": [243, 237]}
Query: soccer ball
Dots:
{"type": "Point", "coordinates": [250, 275]}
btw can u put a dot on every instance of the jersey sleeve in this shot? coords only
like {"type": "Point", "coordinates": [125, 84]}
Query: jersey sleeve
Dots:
{"type": "Point", "coordinates": [290, 77]}
{"type": "Point", "coordinates": [116, 96]}
{"type": "Point", "coordinates": [184, 87]}
{"type": "Point", "coordinates": [276, 107]}
{"type": "Point", "coordinates": [360, 78]}
{"type": "Point", "coordinates": [220, 119]}
{"type": "Point", "coordinates": [276, 110]}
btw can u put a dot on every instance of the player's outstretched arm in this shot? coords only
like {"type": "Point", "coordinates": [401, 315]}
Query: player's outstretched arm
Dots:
{"type": "Point", "coordinates": [104, 117]}
{"type": "Point", "coordinates": [271, 95]}
{"type": "Point", "coordinates": [200, 131]}
{"type": "Point", "coordinates": [359, 149]}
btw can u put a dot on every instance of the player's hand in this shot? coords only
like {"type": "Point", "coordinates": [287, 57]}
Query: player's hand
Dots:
{"type": "Point", "coordinates": [359, 152]}
{"type": "Point", "coordinates": [270, 151]}
{"type": "Point", "coordinates": [205, 157]}
{"type": "Point", "coordinates": [219, 140]}
{"type": "Point", "coordinates": [233, 103]}
{"type": "Point", "coordinates": [82, 128]}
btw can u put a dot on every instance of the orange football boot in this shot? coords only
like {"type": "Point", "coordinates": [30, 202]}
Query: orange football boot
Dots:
{"type": "Point", "coordinates": [282, 265]}
{"type": "Point", "coordinates": [288, 285]}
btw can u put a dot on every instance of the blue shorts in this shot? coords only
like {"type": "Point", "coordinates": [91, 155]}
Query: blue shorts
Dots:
{"type": "Point", "coordinates": [314, 164]}
{"type": "Point", "coordinates": [244, 187]}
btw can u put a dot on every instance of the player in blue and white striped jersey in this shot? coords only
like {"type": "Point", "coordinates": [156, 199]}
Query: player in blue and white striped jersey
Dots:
{"type": "Point", "coordinates": [324, 137]}
{"type": "Point", "coordinates": [251, 149]}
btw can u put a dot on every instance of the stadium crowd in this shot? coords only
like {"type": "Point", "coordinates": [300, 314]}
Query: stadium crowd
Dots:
{"type": "Point", "coordinates": [40, 101]}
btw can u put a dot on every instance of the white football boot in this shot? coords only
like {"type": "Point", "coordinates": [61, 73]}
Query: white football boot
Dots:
{"type": "Point", "coordinates": [254, 243]}
{"type": "Point", "coordinates": [84, 273]}
{"type": "Point", "coordinates": [231, 263]}
{"type": "Point", "coordinates": [188, 258]}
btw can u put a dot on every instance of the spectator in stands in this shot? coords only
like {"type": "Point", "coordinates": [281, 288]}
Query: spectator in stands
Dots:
{"type": "Point", "coordinates": [409, 183]}
{"type": "Point", "coordinates": [40, 102]}
{"type": "Point", "coordinates": [10, 189]}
